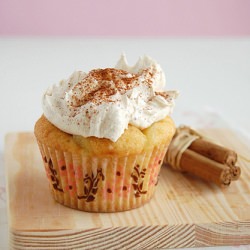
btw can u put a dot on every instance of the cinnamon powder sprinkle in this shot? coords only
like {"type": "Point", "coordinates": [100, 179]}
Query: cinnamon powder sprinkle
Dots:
{"type": "Point", "coordinates": [100, 84]}
{"type": "Point", "coordinates": [163, 94]}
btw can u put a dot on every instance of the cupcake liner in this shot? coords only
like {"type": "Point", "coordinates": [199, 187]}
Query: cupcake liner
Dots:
{"type": "Point", "coordinates": [102, 183]}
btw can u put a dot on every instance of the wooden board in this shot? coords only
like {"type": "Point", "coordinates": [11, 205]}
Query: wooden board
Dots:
{"type": "Point", "coordinates": [185, 211]}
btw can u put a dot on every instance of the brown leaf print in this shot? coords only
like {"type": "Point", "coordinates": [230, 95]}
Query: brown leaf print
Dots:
{"type": "Point", "coordinates": [91, 185]}
{"type": "Point", "coordinates": [53, 175]}
{"type": "Point", "coordinates": [138, 177]}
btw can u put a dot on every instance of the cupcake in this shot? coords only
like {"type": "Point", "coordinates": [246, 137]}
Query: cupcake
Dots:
{"type": "Point", "coordinates": [103, 136]}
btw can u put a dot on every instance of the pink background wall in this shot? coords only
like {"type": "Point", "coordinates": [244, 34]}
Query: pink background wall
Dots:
{"type": "Point", "coordinates": [125, 18]}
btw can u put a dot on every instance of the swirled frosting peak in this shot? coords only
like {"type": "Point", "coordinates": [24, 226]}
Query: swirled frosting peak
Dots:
{"type": "Point", "coordinates": [103, 102]}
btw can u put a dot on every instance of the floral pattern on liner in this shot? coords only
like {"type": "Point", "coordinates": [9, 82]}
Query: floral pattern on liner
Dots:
{"type": "Point", "coordinates": [52, 174]}
{"type": "Point", "coordinates": [138, 177]}
{"type": "Point", "coordinates": [102, 183]}
{"type": "Point", "coordinates": [91, 185]}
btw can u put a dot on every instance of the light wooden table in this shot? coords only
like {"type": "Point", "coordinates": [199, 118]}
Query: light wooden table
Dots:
{"type": "Point", "coordinates": [184, 212]}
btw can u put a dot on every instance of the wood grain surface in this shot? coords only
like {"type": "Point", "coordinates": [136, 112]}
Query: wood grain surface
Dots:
{"type": "Point", "coordinates": [185, 211]}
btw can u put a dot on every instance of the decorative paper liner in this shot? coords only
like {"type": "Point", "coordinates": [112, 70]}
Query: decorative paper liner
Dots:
{"type": "Point", "coordinates": [105, 183]}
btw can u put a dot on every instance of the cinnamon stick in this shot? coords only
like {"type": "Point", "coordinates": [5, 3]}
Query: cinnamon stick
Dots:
{"type": "Point", "coordinates": [205, 168]}
{"type": "Point", "coordinates": [214, 151]}
{"type": "Point", "coordinates": [235, 172]}
{"type": "Point", "coordinates": [218, 154]}
{"type": "Point", "coordinates": [191, 153]}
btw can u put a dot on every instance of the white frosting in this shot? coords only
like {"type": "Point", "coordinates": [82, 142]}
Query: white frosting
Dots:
{"type": "Point", "coordinates": [103, 106]}
{"type": "Point", "coordinates": [144, 63]}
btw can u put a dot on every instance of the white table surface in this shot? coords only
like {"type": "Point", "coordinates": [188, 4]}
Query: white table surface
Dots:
{"type": "Point", "coordinates": [212, 76]}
